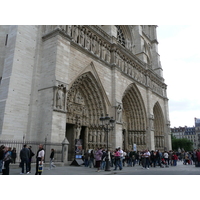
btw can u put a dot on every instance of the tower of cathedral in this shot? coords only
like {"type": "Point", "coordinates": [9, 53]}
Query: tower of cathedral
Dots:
{"type": "Point", "coordinates": [57, 80]}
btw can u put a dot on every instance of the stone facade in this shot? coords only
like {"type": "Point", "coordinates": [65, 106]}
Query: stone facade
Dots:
{"type": "Point", "coordinates": [56, 81]}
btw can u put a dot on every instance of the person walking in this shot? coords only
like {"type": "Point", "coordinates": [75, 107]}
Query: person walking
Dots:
{"type": "Point", "coordinates": [98, 155]}
{"type": "Point", "coordinates": [1, 157]}
{"type": "Point", "coordinates": [14, 155]}
{"type": "Point", "coordinates": [121, 157]}
{"type": "Point", "coordinates": [86, 158]}
{"type": "Point", "coordinates": [117, 160]}
{"type": "Point", "coordinates": [91, 159]}
{"type": "Point", "coordinates": [198, 158]}
{"type": "Point", "coordinates": [174, 158]}
{"type": "Point", "coordinates": [30, 158]}
{"type": "Point", "coordinates": [153, 158]}
{"type": "Point", "coordinates": [103, 159]}
{"type": "Point", "coordinates": [147, 158]}
{"type": "Point", "coordinates": [158, 157]}
{"type": "Point", "coordinates": [39, 159]}
{"type": "Point", "coordinates": [166, 157]}
{"type": "Point", "coordinates": [51, 162]}
{"type": "Point", "coordinates": [24, 156]}
{"type": "Point", "coordinates": [7, 160]}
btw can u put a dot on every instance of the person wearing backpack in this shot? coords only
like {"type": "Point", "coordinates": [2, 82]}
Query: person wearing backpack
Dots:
{"type": "Point", "coordinates": [117, 160]}
{"type": "Point", "coordinates": [24, 156]}
{"type": "Point", "coordinates": [30, 158]}
{"type": "Point", "coordinates": [103, 160]}
{"type": "Point", "coordinates": [7, 160]}
{"type": "Point", "coordinates": [98, 155]}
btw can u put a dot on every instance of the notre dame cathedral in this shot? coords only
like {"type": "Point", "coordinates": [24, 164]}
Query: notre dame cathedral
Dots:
{"type": "Point", "coordinates": [57, 80]}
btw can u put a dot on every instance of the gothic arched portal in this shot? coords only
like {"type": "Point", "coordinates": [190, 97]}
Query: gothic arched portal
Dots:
{"type": "Point", "coordinates": [85, 104]}
{"type": "Point", "coordinates": [158, 126]}
{"type": "Point", "coordinates": [134, 118]}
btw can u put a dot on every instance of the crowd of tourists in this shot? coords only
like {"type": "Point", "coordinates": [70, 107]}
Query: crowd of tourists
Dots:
{"type": "Point", "coordinates": [146, 159]}
{"type": "Point", "coordinates": [8, 155]}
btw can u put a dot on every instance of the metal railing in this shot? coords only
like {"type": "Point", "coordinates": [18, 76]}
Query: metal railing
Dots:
{"type": "Point", "coordinates": [58, 157]}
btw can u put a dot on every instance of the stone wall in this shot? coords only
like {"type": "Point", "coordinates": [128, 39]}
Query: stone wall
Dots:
{"type": "Point", "coordinates": [42, 61]}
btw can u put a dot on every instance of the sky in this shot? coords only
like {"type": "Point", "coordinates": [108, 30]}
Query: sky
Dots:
{"type": "Point", "coordinates": [180, 59]}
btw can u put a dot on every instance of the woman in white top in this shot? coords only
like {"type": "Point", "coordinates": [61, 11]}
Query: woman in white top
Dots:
{"type": "Point", "coordinates": [39, 159]}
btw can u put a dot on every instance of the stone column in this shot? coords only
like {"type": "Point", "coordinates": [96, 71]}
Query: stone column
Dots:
{"type": "Point", "coordinates": [150, 139]}
{"type": "Point", "coordinates": [65, 144]}
{"type": "Point", "coordinates": [86, 138]}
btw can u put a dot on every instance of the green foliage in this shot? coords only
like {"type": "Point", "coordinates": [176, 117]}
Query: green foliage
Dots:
{"type": "Point", "coordinates": [183, 143]}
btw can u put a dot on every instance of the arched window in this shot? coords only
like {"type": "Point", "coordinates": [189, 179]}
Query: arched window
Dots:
{"type": "Point", "coordinates": [120, 35]}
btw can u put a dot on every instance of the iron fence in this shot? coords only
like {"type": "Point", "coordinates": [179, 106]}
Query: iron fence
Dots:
{"type": "Point", "coordinates": [58, 155]}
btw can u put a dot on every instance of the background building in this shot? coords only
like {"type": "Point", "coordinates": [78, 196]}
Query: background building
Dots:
{"type": "Point", "coordinates": [56, 81]}
{"type": "Point", "coordinates": [190, 133]}
{"type": "Point", "coordinates": [178, 132]}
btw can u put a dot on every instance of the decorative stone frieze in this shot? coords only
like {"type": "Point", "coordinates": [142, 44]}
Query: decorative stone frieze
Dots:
{"type": "Point", "coordinates": [91, 40]}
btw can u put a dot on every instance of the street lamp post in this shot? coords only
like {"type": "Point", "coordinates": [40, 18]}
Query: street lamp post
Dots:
{"type": "Point", "coordinates": [107, 124]}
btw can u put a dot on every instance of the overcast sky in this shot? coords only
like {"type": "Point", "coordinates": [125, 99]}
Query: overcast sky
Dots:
{"type": "Point", "coordinates": [179, 54]}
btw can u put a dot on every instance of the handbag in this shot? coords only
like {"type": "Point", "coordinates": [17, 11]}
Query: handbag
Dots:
{"type": "Point", "coordinates": [40, 168]}
{"type": "Point", "coordinates": [3, 167]}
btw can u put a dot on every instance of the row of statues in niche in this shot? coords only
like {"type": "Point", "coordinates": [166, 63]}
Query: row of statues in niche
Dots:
{"type": "Point", "coordinates": [89, 41]}
{"type": "Point", "coordinates": [96, 136]}
{"type": "Point", "coordinates": [128, 67]}
{"type": "Point", "coordinates": [136, 138]}
{"type": "Point", "coordinates": [159, 141]}
{"type": "Point", "coordinates": [86, 39]}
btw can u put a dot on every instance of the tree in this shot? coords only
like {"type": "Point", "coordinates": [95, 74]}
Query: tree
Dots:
{"type": "Point", "coordinates": [183, 143]}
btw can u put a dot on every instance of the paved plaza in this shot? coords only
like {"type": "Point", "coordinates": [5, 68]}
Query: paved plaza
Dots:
{"type": "Point", "coordinates": [180, 169]}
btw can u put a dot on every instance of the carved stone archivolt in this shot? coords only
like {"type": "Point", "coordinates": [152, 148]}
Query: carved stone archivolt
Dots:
{"type": "Point", "coordinates": [135, 116]}
{"type": "Point", "coordinates": [85, 101]}
{"type": "Point", "coordinates": [158, 126]}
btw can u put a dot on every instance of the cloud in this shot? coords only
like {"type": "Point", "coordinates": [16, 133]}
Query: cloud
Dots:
{"type": "Point", "coordinates": [179, 53]}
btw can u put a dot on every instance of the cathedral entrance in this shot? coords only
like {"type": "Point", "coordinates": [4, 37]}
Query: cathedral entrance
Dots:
{"type": "Point", "coordinates": [70, 135]}
{"type": "Point", "coordinates": [85, 104]}
{"type": "Point", "coordinates": [134, 119]}
{"type": "Point", "coordinates": [158, 127]}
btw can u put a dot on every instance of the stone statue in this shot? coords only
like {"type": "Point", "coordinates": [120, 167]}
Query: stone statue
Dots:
{"type": "Point", "coordinates": [119, 113]}
{"type": "Point", "coordinates": [129, 138]}
{"type": "Point", "coordinates": [78, 132]}
{"type": "Point", "coordinates": [75, 34]}
{"type": "Point", "coordinates": [69, 30]}
{"type": "Point", "coordinates": [60, 98]}
{"type": "Point", "coordinates": [82, 38]}
{"type": "Point", "coordinates": [102, 136]}
{"type": "Point", "coordinates": [90, 136]}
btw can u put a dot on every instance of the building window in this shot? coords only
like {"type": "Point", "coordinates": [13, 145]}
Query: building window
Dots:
{"type": "Point", "coordinates": [120, 36]}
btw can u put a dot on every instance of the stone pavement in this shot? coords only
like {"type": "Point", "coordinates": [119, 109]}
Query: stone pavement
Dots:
{"type": "Point", "coordinates": [180, 169]}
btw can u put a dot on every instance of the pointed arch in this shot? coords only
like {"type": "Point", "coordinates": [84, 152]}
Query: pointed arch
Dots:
{"type": "Point", "coordinates": [85, 104]}
{"type": "Point", "coordinates": [158, 126]}
{"type": "Point", "coordinates": [85, 98]}
{"type": "Point", "coordinates": [135, 116]}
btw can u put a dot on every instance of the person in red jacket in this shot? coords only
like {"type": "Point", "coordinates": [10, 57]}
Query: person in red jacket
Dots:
{"type": "Point", "coordinates": [174, 158]}
{"type": "Point", "coordinates": [198, 157]}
